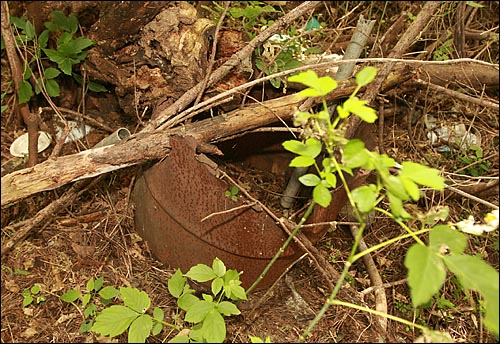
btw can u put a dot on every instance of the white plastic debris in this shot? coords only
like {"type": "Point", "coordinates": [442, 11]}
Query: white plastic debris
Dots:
{"type": "Point", "coordinates": [19, 147]}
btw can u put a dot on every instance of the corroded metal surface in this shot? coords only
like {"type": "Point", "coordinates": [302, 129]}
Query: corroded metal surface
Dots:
{"type": "Point", "coordinates": [173, 196]}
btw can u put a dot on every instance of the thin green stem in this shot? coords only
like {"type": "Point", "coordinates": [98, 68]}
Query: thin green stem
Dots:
{"type": "Point", "coordinates": [283, 247]}
{"type": "Point", "coordinates": [402, 224]}
{"type": "Point", "coordinates": [375, 312]}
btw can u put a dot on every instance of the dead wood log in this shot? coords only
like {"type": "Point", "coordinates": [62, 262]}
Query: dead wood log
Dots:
{"type": "Point", "coordinates": [143, 147]}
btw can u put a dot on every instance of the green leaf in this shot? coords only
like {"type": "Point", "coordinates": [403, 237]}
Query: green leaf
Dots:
{"type": "Point", "coordinates": [354, 154]}
{"type": "Point", "coordinates": [35, 289]}
{"type": "Point", "coordinates": [214, 327]}
{"type": "Point", "coordinates": [394, 185]}
{"type": "Point", "coordinates": [114, 320]}
{"type": "Point", "coordinates": [27, 300]}
{"type": "Point", "coordinates": [43, 38]}
{"type": "Point", "coordinates": [331, 179]}
{"type": "Point", "coordinates": [396, 206]}
{"type": "Point", "coordinates": [422, 175]}
{"type": "Point", "coordinates": [198, 311]}
{"type": "Point", "coordinates": [71, 295]}
{"type": "Point", "coordinates": [74, 47]}
{"type": "Point", "coordinates": [365, 76]}
{"type": "Point", "coordinates": [322, 195]}
{"type": "Point", "coordinates": [186, 301]}
{"type": "Point", "coordinates": [227, 308]}
{"type": "Point", "coordinates": [20, 23]}
{"type": "Point", "coordinates": [109, 292]}
{"type": "Point", "coordinates": [90, 284]}
{"type": "Point", "coordinates": [217, 285]}
{"type": "Point", "coordinates": [313, 24]}
{"type": "Point", "coordinates": [86, 300]}
{"type": "Point", "coordinates": [237, 291]}
{"type": "Point", "coordinates": [442, 236]}
{"type": "Point", "coordinates": [358, 107]}
{"type": "Point", "coordinates": [157, 328]}
{"type": "Point", "coordinates": [29, 30]}
{"type": "Point", "coordinates": [25, 91]}
{"type": "Point", "coordinates": [426, 273]}
{"type": "Point", "coordinates": [52, 88]}
{"type": "Point", "coordinates": [201, 273]}
{"type": "Point", "coordinates": [410, 187]}
{"type": "Point", "coordinates": [311, 148]}
{"type": "Point", "coordinates": [51, 73]}
{"type": "Point", "coordinates": [98, 283]}
{"type": "Point", "coordinates": [474, 4]}
{"type": "Point", "coordinates": [135, 299]}
{"type": "Point", "coordinates": [90, 310]}
{"type": "Point", "coordinates": [218, 266]}
{"type": "Point", "coordinates": [85, 326]}
{"type": "Point", "coordinates": [302, 161]}
{"type": "Point", "coordinates": [140, 329]}
{"type": "Point", "coordinates": [365, 197]}
{"type": "Point", "coordinates": [475, 274]}
{"type": "Point", "coordinates": [158, 314]}
{"type": "Point", "coordinates": [179, 339]}
{"type": "Point", "coordinates": [176, 284]}
{"type": "Point", "coordinates": [310, 179]}
{"type": "Point", "coordinates": [95, 87]}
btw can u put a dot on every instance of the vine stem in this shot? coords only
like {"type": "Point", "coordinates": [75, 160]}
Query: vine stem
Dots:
{"type": "Point", "coordinates": [283, 247]}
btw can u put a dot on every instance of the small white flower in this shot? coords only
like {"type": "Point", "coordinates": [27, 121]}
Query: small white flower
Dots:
{"type": "Point", "coordinates": [491, 219]}
{"type": "Point", "coordinates": [467, 226]}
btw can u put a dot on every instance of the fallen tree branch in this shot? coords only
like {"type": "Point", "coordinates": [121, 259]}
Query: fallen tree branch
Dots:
{"type": "Point", "coordinates": [222, 71]}
{"type": "Point", "coordinates": [142, 147]}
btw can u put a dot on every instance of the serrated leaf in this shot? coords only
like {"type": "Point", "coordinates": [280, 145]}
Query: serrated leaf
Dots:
{"type": "Point", "coordinates": [426, 273]}
{"type": "Point", "coordinates": [218, 266]}
{"type": "Point", "coordinates": [443, 235]}
{"type": "Point", "coordinates": [422, 175]}
{"type": "Point", "coordinates": [201, 273]}
{"type": "Point", "coordinates": [135, 299]}
{"type": "Point", "coordinates": [366, 75]}
{"type": "Point", "coordinates": [51, 73]}
{"type": "Point", "coordinates": [410, 187]}
{"type": "Point", "coordinates": [186, 301]}
{"type": "Point", "coordinates": [358, 107]}
{"type": "Point", "coordinates": [227, 308]}
{"type": "Point", "coordinates": [475, 274]}
{"type": "Point", "coordinates": [331, 179]}
{"type": "Point", "coordinates": [310, 179]}
{"type": "Point", "coordinates": [114, 320]}
{"type": "Point", "coordinates": [176, 284]}
{"type": "Point", "coordinates": [214, 327]}
{"type": "Point", "coordinates": [52, 88]}
{"type": "Point", "coordinates": [109, 292]}
{"type": "Point", "coordinates": [85, 300]}
{"type": "Point", "coordinates": [217, 285]}
{"type": "Point", "coordinates": [322, 195]}
{"type": "Point", "coordinates": [140, 329]}
{"type": "Point", "coordinates": [354, 154]}
{"type": "Point", "coordinates": [98, 283]}
{"type": "Point", "coordinates": [239, 292]}
{"type": "Point", "coordinates": [365, 197]}
{"type": "Point", "coordinates": [43, 38]}
{"type": "Point", "coordinates": [25, 91]}
{"type": "Point", "coordinates": [70, 296]}
{"type": "Point", "coordinates": [198, 311]}
{"type": "Point", "coordinates": [90, 284]}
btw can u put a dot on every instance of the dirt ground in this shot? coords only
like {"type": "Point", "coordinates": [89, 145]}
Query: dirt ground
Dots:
{"type": "Point", "coordinates": [95, 235]}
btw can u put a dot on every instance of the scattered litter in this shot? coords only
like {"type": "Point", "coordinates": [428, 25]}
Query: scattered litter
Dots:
{"type": "Point", "coordinates": [445, 136]}
{"type": "Point", "coordinates": [76, 133]}
{"type": "Point", "coordinates": [19, 147]}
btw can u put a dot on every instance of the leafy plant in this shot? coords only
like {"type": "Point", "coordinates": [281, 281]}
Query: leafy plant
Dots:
{"type": "Point", "coordinates": [472, 159]}
{"type": "Point", "coordinates": [131, 316]}
{"type": "Point", "coordinates": [32, 295]}
{"type": "Point", "coordinates": [94, 288]}
{"type": "Point", "coordinates": [444, 52]}
{"type": "Point", "coordinates": [69, 51]}
{"type": "Point", "coordinates": [232, 193]}
{"type": "Point", "coordinates": [427, 264]}
{"type": "Point", "coordinates": [207, 314]}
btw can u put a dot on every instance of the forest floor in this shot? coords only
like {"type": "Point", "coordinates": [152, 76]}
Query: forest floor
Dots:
{"type": "Point", "coordinates": [95, 235]}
